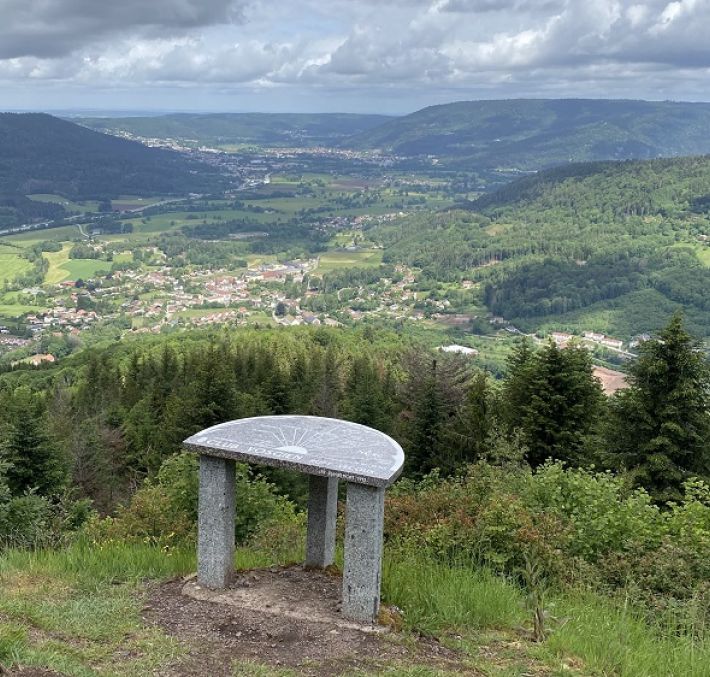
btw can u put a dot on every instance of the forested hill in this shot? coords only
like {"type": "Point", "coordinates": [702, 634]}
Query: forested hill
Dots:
{"type": "Point", "coordinates": [607, 190]}
{"type": "Point", "coordinates": [530, 134]}
{"type": "Point", "coordinates": [612, 247]}
{"type": "Point", "coordinates": [264, 129]}
{"type": "Point", "coordinates": [42, 154]}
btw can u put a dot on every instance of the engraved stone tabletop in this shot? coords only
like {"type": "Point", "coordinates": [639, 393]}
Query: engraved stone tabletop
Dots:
{"type": "Point", "coordinates": [309, 444]}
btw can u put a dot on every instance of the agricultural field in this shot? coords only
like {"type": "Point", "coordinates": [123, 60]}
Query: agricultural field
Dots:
{"type": "Point", "coordinates": [62, 268]}
{"type": "Point", "coordinates": [335, 260]}
{"type": "Point", "coordinates": [31, 238]}
{"type": "Point", "coordinates": [69, 205]}
{"type": "Point", "coordinates": [11, 263]}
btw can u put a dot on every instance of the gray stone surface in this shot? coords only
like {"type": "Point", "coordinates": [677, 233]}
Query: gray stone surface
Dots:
{"type": "Point", "coordinates": [322, 514]}
{"type": "Point", "coordinates": [309, 444]}
{"type": "Point", "coordinates": [364, 518]}
{"type": "Point", "coordinates": [215, 522]}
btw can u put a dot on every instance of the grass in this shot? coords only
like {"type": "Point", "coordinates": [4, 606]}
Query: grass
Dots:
{"type": "Point", "coordinates": [362, 259]}
{"type": "Point", "coordinates": [437, 598]}
{"type": "Point", "coordinates": [62, 268]}
{"type": "Point", "coordinates": [703, 253]}
{"type": "Point", "coordinates": [33, 237]}
{"type": "Point", "coordinates": [12, 265]}
{"type": "Point", "coordinates": [86, 206]}
{"type": "Point", "coordinates": [15, 310]}
{"type": "Point", "coordinates": [605, 635]}
{"type": "Point", "coordinates": [617, 641]}
{"type": "Point", "coordinates": [84, 268]}
{"type": "Point", "coordinates": [77, 610]}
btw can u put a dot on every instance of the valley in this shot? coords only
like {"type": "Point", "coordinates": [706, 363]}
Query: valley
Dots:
{"type": "Point", "coordinates": [324, 235]}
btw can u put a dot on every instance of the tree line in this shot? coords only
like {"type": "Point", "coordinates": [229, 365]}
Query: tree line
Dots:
{"type": "Point", "coordinates": [94, 428]}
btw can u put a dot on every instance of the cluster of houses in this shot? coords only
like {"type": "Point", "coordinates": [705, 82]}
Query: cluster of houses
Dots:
{"type": "Point", "coordinates": [562, 339]}
{"type": "Point", "coordinates": [61, 317]}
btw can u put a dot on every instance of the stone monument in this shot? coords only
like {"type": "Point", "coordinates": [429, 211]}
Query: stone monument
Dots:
{"type": "Point", "coordinates": [328, 450]}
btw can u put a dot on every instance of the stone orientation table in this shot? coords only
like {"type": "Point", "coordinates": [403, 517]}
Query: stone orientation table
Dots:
{"type": "Point", "coordinates": [328, 450]}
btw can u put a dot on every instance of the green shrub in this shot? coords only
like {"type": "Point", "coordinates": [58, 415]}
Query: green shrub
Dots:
{"type": "Point", "coordinates": [164, 509]}
{"type": "Point", "coordinates": [576, 525]}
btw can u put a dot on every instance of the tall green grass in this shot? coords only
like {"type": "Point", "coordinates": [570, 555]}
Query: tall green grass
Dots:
{"type": "Point", "coordinates": [87, 595]}
{"type": "Point", "coordinates": [436, 597]}
{"type": "Point", "coordinates": [97, 565]}
{"type": "Point", "coordinates": [617, 640]}
{"type": "Point", "coordinates": [607, 635]}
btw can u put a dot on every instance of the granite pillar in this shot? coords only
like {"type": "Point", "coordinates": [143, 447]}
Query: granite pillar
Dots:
{"type": "Point", "coordinates": [322, 514]}
{"type": "Point", "coordinates": [215, 522]}
{"type": "Point", "coordinates": [364, 524]}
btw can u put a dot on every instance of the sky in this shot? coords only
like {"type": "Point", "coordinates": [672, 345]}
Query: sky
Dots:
{"type": "Point", "coordinates": [363, 56]}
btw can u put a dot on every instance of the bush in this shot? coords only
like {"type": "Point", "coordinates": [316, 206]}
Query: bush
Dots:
{"type": "Point", "coordinates": [574, 524]}
{"type": "Point", "coordinates": [164, 509]}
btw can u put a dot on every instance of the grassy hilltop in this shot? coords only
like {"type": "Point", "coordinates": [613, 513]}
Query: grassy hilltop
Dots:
{"type": "Point", "coordinates": [497, 561]}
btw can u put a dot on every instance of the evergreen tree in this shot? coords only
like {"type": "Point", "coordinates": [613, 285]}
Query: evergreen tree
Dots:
{"type": "Point", "coordinates": [433, 397]}
{"type": "Point", "coordinates": [326, 401]}
{"type": "Point", "coordinates": [365, 400]}
{"type": "Point", "coordinates": [32, 462]}
{"type": "Point", "coordinates": [661, 424]}
{"type": "Point", "coordinates": [475, 421]}
{"type": "Point", "coordinates": [555, 402]}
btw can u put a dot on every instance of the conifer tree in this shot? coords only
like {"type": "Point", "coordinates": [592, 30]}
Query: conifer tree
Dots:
{"type": "Point", "coordinates": [475, 421]}
{"type": "Point", "coordinates": [433, 397]}
{"type": "Point", "coordinates": [326, 400]}
{"type": "Point", "coordinates": [365, 400]}
{"type": "Point", "coordinates": [661, 424]}
{"type": "Point", "coordinates": [33, 463]}
{"type": "Point", "coordinates": [555, 402]}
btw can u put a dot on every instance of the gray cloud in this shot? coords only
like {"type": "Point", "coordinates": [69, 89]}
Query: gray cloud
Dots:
{"type": "Point", "coordinates": [440, 49]}
{"type": "Point", "coordinates": [51, 28]}
{"type": "Point", "coordinates": [478, 6]}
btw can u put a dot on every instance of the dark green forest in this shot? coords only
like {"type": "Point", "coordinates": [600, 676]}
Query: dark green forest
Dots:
{"type": "Point", "coordinates": [105, 418]}
{"type": "Point", "coordinates": [43, 154]}
{"type": "Point", "coordinates": [532, 134]}
{"type": "Point", "coordinates": [628, 235]}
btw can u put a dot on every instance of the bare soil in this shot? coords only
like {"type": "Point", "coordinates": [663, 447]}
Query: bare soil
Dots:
{"type": "Point", "coordinates": [283, 618]}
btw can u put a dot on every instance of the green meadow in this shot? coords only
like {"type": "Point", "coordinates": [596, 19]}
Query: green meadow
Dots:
{"type": "Point", "coordinates": [334, 260]}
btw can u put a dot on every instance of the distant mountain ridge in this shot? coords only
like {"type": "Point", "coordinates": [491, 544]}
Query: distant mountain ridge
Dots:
{"type": "Point", "coordinates": [267, 129]}
{"type": "Point", "coordinates": [40, 153]}
{"type": "Point", "coordinates": [531, 134]}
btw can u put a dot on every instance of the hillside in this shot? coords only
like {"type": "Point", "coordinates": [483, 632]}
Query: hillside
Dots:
{"type": "Point", "coordinates": [496, 563]}
{"type": "Point", "coordinates": [526, 134]}
{"type": "Point", "coordinates": [264, 129]}
{"type": "Point", "coordinates": [604, 246]}
{"type": "Point", "coordinates": [43, 154]}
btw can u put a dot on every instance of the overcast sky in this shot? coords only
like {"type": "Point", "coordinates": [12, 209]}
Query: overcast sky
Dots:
{"type": "Point", "coordinates": [391, 56]}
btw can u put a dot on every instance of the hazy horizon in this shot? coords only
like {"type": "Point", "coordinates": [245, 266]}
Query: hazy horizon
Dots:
{"type": "Point", "coordinates": [156, 112]}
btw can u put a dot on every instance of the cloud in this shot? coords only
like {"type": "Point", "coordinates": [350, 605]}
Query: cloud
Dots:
{"type": "Point", "coordinates": [348, 48]}
{"type": "Point", "coordinates": [52, 28]}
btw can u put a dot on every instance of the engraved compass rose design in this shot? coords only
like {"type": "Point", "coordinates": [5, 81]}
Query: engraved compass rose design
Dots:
{"type": "Point", "coordinates": [304, 439]}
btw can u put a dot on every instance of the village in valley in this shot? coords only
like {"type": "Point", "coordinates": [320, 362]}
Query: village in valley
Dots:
{"type": "Point", "coordinates": [284, 246]}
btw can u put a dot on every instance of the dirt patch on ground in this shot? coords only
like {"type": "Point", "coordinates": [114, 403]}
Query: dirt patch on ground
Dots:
{"type": "Point", "coordinates": [283, 618]}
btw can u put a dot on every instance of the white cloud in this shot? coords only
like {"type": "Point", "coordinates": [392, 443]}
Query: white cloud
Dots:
{"type": "Point", "coordinates": [402, 48]}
